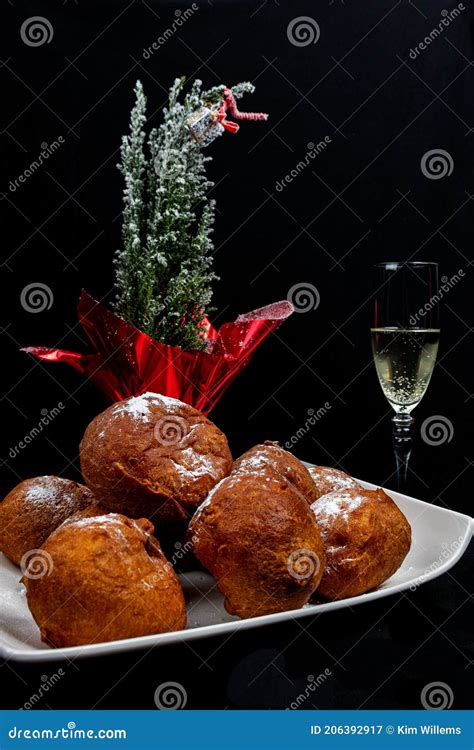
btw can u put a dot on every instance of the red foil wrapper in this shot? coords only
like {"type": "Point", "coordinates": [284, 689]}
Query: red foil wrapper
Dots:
{"type": "Point", "coordinates": [127, 362]}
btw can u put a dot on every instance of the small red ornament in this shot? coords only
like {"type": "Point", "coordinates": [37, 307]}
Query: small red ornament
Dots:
{"type": "Point", "coordinates": [209, 122]}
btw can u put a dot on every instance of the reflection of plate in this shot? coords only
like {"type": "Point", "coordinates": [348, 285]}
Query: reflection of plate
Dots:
{"type": "Point", "coordinates": [439, 539]}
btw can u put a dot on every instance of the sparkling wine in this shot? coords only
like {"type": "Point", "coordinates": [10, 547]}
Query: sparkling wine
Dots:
{"type": "Point", "coordinates": [404, 359]}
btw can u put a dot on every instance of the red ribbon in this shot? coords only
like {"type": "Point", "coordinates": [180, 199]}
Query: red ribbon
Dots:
{"type": "Point", "coordinates": [230, 104]}
{"type": "Point", "coordinates": [231, 127]}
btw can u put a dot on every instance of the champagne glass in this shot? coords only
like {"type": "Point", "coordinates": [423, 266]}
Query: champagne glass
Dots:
{"type": "Point", "coordinates": [405, 338]}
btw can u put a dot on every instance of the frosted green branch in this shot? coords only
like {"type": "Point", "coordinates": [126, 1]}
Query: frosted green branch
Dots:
{"type": "Point", "coordinates": [164, 269]}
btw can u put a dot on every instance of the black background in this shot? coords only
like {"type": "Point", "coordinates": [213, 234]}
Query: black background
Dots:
{"type": "Point", "coordinates": [364, 199]}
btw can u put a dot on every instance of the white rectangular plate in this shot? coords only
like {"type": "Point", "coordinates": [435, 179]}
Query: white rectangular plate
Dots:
{"type": "Point", "coordinates": [439, 539]}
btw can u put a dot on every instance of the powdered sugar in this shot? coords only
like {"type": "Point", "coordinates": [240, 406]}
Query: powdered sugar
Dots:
{"type": "Point", "coordinates": [110, 519]}
{"type": "Point", "coordinates": [46, 490]}
{"type": "Point", "coordinates": [162, 399]}
{"type": "Point", "coordinates": [138, 407]}
{"type": "Point", "coordinates": [253, 462]}
{"type": "Point", "coordinates": [337, 478]}
{"type": "Point", "coordinates": [119, 531]}
{"type": "Point", "coordinates": [196, 464]}
{"type": "Point", "coordinates": [336, 505]}
{"type": "Point", "coordinates": [40, 493]}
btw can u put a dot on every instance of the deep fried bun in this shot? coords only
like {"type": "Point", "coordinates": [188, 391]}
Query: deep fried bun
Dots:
{"type": "Point", "coordinates": [366, 538]}
{"type": "Point", "coordinates": [270, 454]}
{"type": "Point", "coordinates": [103, 579]}
{"type": "Point", "coordinates": [327, 479]}
{"type": "Point", "coordinates": [257, 536]}
{"type": "Point", "coordinates": [153, 456]}
{"type": "Point", "coordinates": [34, 509]}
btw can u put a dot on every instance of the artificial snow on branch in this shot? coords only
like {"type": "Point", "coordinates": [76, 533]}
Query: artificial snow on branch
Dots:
{"type": "Point", "coordinates": [164, 268]}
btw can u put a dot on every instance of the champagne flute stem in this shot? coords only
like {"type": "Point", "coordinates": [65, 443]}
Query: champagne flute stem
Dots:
{"type": "Point", "coordinates": [402, 446]}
